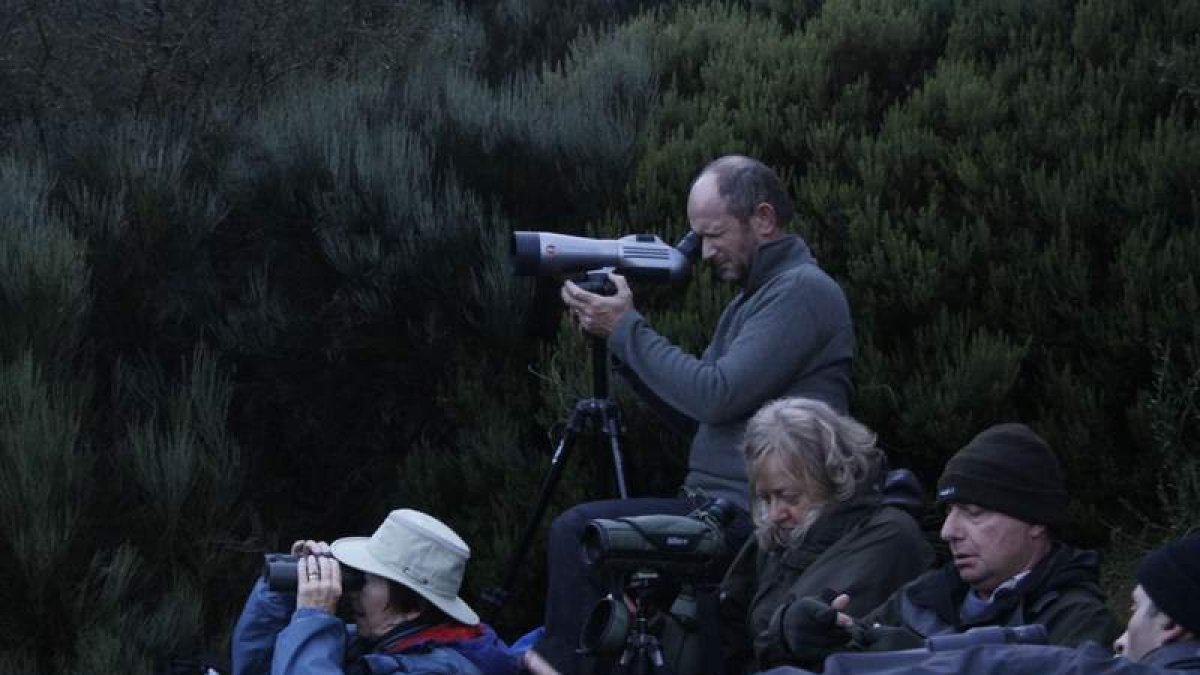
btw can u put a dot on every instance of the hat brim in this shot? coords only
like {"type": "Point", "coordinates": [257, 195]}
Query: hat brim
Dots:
{"type": "Point", "coordinates": [353, 552]}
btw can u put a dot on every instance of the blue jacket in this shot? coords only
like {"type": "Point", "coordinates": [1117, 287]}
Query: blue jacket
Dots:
{"type": "Point", "coordinates": [272, 636]}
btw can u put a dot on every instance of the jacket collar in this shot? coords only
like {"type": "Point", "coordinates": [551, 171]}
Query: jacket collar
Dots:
{"type": "Point", "coordinates": [943, 591]}
{"type": "Point", "coordinates": [1177, 655]}
{"type": "Point", "coordinates": [834, 522]}
{"type": "Point", "coordinates": [776, 256]}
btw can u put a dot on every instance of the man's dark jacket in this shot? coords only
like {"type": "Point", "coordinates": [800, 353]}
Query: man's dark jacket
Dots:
{"type": "Point", "coordinates": [1062, 593]}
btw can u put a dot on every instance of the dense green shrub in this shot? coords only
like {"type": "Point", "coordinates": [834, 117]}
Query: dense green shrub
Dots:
{"type": "Point", "coordinates": [253, 255]}
{"type": "Point", "coordinates": [67, 62]}
{"type": "Point", "coordinates": [985, 179]}
{"type": "Point", "coordinates": [289, 284]}
{"type": "Point", "coordinates": [550, 149]}
{"type": "Point", "coordinates": [112, 574]}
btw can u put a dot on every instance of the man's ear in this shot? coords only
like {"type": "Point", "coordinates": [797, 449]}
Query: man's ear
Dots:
{"type": "Point", "coordinates": [1172, 631]}
{"type": "Point", "coordinates": [764, 221]}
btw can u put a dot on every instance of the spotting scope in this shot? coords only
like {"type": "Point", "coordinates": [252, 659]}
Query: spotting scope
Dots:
{"type": "Point", "coordinates": [639, 257]}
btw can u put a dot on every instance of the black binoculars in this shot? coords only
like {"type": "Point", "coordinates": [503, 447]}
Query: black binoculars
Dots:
{"type": "Point", "coordinates": [280, 573]}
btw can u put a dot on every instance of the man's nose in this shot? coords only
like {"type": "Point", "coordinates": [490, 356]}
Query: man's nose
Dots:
{"type": "Point", "coordinates": [1119, 643]}
{"type": "Point", "coordinates": [950, 526]}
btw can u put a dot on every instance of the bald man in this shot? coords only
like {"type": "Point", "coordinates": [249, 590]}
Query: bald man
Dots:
{"type": "Point", "coordinates": [787, 333]}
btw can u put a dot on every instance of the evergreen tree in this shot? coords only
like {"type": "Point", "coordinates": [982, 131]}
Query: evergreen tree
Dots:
{"type": "Point", "coordinates": [253, 261]}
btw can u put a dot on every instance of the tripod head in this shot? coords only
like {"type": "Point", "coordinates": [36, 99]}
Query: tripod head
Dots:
{"type": "Point", "coordinates": [597, 281]}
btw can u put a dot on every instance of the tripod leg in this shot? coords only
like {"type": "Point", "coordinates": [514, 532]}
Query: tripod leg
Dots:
{"type": "Point", "coordinates": [611, 426]}
{"type": "Point", "coordinates": [618, 467]}
{"type": "Point", "coordinates": [497, 596]}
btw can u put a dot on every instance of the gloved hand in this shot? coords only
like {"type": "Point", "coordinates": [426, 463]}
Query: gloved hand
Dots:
{"type": "Point", "coordinates": [801, 632]}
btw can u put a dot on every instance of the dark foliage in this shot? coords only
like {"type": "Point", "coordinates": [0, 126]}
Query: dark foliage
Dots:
{"type": "Point", "coordinates": [254, 265]}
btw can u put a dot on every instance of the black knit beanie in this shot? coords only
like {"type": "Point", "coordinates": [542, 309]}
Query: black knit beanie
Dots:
{"type": "Point", "coordinates": [1170, 575]}
{"type": "Point", "coordinates": [1010, 469]}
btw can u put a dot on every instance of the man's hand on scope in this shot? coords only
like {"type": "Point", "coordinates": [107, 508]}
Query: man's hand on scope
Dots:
{"type": "Point", "coordinates": [598, 314]}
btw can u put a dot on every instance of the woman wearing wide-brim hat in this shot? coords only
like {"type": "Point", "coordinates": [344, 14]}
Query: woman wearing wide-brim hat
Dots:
{"type": "Point", "coordinates": [407, 617]}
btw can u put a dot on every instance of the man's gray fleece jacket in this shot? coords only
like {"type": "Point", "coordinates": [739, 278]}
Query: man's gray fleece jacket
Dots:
{"type": "Point", "coordinates": [787, 333]}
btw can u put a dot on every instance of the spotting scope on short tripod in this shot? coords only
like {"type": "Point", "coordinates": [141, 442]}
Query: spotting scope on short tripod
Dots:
{"type": "Point", "coordinates": [635, 553]}
{"type": "Point", "coordinates": [638, 257]}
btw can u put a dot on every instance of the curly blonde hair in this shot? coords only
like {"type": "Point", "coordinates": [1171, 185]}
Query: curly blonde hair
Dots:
{"type": "Point", "coordinates": [831, 456]}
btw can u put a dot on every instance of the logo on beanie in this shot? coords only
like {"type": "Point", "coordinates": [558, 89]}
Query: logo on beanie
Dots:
{"type": "Point", "coordinates": [948, 492]}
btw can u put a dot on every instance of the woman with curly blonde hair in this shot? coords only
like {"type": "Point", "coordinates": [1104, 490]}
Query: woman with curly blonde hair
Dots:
{"type": "Point", "coordinates": [820, 524]}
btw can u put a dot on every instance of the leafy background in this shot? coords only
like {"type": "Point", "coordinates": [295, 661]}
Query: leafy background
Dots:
{"type": "Point", "coordinates": [253, 264]}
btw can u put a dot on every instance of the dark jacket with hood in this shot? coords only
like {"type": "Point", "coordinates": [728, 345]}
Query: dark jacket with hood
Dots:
{"type": "Point", "coordinates": [858, 547]}
{"type": "Point", "coordinates": [1062, 593]}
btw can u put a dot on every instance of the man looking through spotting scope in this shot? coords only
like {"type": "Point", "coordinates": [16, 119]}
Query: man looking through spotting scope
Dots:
{"type": "Point", "coordinates": [787, 333]}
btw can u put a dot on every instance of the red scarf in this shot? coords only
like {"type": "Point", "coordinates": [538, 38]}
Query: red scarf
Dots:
{"type": "Point", "coordinates": [446, 633]}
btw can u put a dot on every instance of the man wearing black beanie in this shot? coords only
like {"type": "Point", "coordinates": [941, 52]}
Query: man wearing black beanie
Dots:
{"type": "Point", "coordinates": [1163, 635]}
{"type": "Point", "coordinates": [1004, 494]}
{"type": "Point", "coordinates": [1164, 627]}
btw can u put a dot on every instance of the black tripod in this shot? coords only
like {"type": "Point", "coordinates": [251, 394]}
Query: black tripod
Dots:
{"type": "Point", "coordinates": [643, 654]}
{"type": "Point", "coordinates": [599, 413]}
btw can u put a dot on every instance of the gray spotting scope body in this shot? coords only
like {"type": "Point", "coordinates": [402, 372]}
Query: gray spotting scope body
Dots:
{"type": "Point", "coordinates": [640, 257]}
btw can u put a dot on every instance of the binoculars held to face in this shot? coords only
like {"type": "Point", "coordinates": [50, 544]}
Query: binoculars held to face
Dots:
{"type": "Point", "coordinates": [281, 572]}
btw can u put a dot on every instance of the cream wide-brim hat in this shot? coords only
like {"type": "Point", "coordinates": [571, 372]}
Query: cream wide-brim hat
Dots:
{"type": "Point", "coordinates": [418, 551]}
